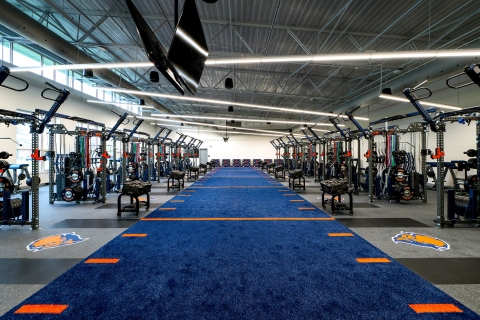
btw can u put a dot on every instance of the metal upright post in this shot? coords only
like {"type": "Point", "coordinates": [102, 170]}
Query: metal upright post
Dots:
{"type": "Point", "coordinates": [114, 156]}
{"type": "Point", "coordinates": [149, 163]}
{"type": "Point", "coordinates": [124, 162]}
{"type": "Point", "coordinates": [371, 178]}
{"type": "Point", "coordinates": [440, 182]}
{"type": "Point", "coordinates": [350, 162]}
{"type": "Point", "coordinates": [51, 165]}
{"type": "Point", "coordinates": [103, 163]}
{"type": "Point", "coordinates": [35, 179]}
{"type": "Point", "coordinates": [477, 140]}
{"type": "Point", "coordinates": [324, 164]}
{"type": "Point", "coordinates": [158, 161]}
{"type": "Point", "coordinates": [359, 163]}
{"type": "Point", "coordinates": [424, 162]}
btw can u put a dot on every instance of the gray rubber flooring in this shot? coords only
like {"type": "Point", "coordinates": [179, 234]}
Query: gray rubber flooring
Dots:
{"type": "Point", "coordinates": [95, 223]}
{"type": "Point", "coordinates": [445, 270]}
{"type": "Point", "coordinates": [33, 271]}
{"type": "Point", "coordinates": [381, 223]}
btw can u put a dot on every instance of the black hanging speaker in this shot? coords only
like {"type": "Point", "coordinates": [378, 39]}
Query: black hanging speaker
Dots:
{"type": "Point", "coordinates": [290, 130]}
{"type": "Point", "coordinates": [142, 102]}
{"type": "Point", "coordinates": [230, 109]}
{"type": "Point", "coordinates": [87, 73]}
{"type": "Point", "coordinates": [210, 1]}
{"type": "Point", "coordinates": [154, 77]}
{"type": "Point", "coordinates": [229, 83]}
{"type": "Point", "coordinates": [387, 91]}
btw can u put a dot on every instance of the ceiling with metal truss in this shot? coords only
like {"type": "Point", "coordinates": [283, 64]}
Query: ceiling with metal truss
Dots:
{"type": "Point", "coordinates": [244, 28]}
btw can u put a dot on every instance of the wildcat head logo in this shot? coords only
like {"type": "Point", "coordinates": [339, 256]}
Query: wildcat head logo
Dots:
{"type": "Point", "coordinates": [421, 240]}
{"type": "Point", "coordinates": [55, 241]}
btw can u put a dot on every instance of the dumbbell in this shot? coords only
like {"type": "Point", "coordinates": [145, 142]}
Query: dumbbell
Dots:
{"type": "Point", "coordinates": [5, 155]}
{"type": "Point", "coordinates": [4, 164]}
{"type": "Point", "coordinates": [472, 163]}
{"type": "Point", "coordinates": [471, 152]}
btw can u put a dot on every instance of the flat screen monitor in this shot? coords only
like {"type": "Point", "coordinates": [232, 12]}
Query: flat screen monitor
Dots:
{"type": "Point", "coordinates": [153, 48]}
{"type": "Point", "coordinates": [188, 50]}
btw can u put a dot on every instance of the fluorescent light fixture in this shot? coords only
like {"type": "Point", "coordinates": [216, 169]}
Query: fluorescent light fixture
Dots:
{"type": "Point", "coordinates": [230, 132]}
{"type": "Point", "coordinates": [211, 125]}
{"type": "Point", "coordinates": [426, 103]}
{"type": "Point", "coordinates": [84, 66]}
{"type": "Point", "coordinates": [120, 104]}
{"type": "Point", "coordinates": [277, 59]}
{"type": "Point", "coordinates": [320, 130]}
{"type": "Point", "coordinates": [240, 119]}
{"type": "Point", "coordinates": [351, 56]}
{"type": "Point", "coordinates": [222, 102]}
{"type": "Point", "coordinates": [421, 83]}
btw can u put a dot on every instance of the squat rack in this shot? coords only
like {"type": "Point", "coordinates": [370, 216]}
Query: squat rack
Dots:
{"type": "Point", "coordinates": [61, 129]}
{"type": "Point", "coordinates": [37, 126]}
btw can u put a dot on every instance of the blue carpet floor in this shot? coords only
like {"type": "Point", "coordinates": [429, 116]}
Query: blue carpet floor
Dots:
{"type": "Point", "coordinates": [187, 267]}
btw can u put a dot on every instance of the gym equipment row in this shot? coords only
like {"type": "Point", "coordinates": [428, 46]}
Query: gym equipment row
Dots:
{"type": "Point", "coordinates": [461, 208]}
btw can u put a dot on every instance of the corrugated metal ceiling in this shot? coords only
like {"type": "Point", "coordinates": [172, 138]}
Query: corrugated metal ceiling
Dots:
{"type": "Point", "coordinates": [104, 29]}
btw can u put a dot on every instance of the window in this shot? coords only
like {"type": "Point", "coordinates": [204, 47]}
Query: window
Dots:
{"type": "Point", "coordinates": [23, 56]}
{"type": "Point", "coordinates": [5, 54]}
{"type": "Point", "coordinates": [61, 76]}
{"type": "Point", "coordinates": [50, 74]}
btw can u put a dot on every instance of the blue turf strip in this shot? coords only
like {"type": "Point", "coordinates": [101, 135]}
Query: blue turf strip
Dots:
{"type": "Point", "coordinates": [240, 269]}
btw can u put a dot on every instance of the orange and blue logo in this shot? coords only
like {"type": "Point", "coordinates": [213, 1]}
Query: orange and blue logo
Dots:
{"type": "Point", "coordinates": [55, 241]}
{"type": "Point", "coordinates": [421, 240]}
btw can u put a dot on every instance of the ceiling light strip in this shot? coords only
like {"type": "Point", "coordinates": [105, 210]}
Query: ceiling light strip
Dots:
{"type": "Point", "coordinates": [277, 59]}
{"type": "Point", "coordinates": [240, 119]}
{"type": "Point", "coordinates": [222, 102]}
{"type": "Point", "coordinates": [351, 56]}
{"type": "Point", "coordinates": [213, 125]}
{"type": "Point", "coordinates": [426, 103]}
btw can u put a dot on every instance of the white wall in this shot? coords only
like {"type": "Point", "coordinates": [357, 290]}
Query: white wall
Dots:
{"type": "Point", "coordinates": [238, 146]}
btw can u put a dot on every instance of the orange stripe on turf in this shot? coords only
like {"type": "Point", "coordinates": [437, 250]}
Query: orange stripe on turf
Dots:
{"type": "Point", "coordinates": [340, 234]}
{"type": "Point", "coordinates": [373, 260]}
{"type": "Point", "coordinates": [134, 235]}
{"type": "Point", "coordinates": [102, 260]}
{"type": "Point", "coordinates": [306, 208]}
{"type": "Point", "coordinates": [167, 209]}
{"type": "Point", "coordinates": [42, 308]}
{"type": "Point", "coordinates": [237, 219]}
{"type": "Point", "coordinates": [297, 200]}
{"type": "Point", "coordinates": [434, 308]}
